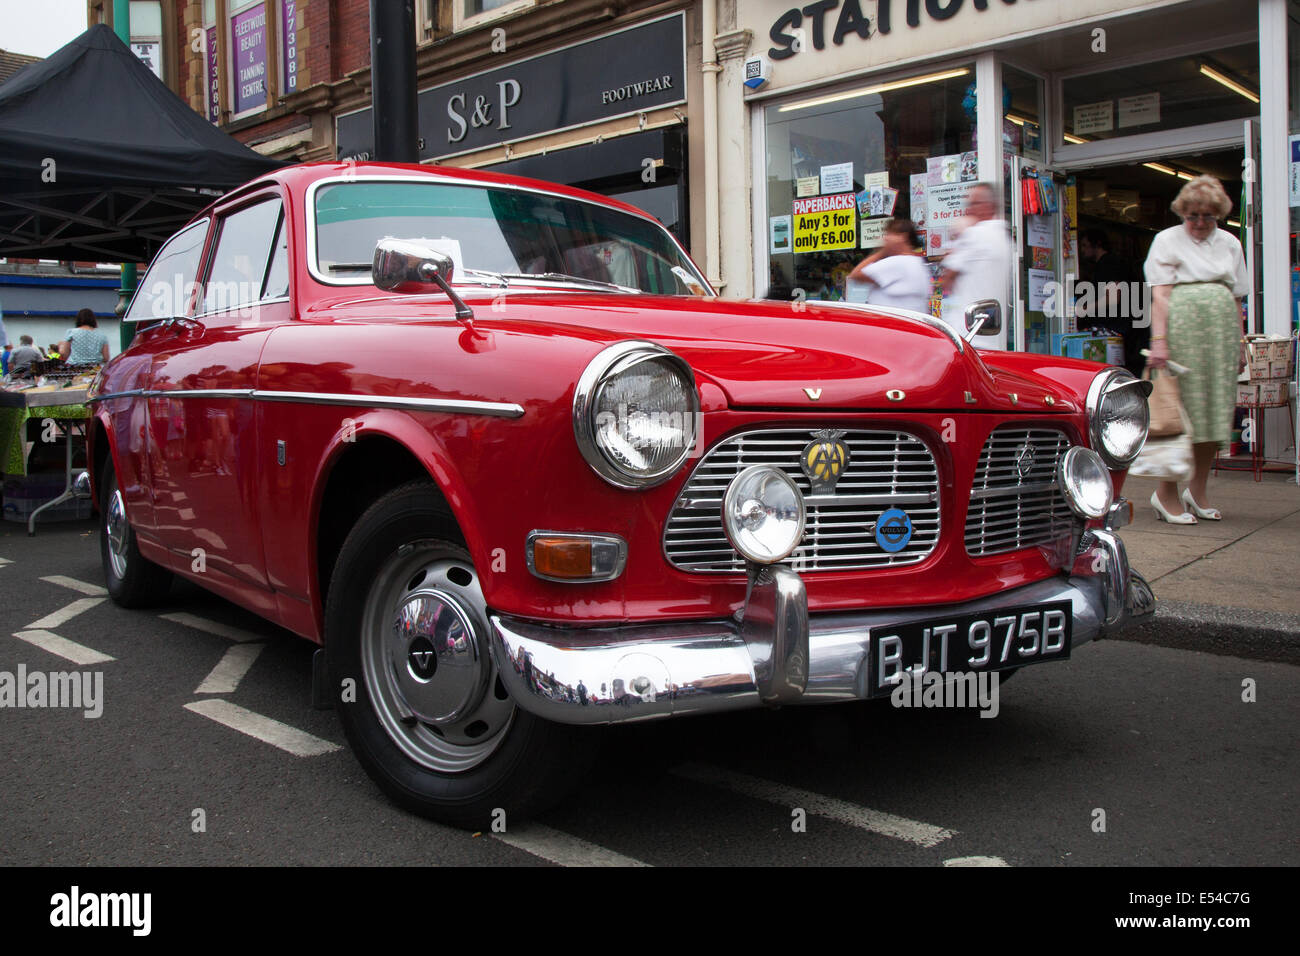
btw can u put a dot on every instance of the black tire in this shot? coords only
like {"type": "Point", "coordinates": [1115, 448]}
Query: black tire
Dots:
{"type": "Point", "coordinates": [132, 579]}
{"type": "Point", "coordinates": [453, 748]}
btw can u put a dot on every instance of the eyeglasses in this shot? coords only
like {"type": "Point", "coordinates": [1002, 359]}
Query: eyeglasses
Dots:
{"type": "Point", "coordinates": [1200, 217]}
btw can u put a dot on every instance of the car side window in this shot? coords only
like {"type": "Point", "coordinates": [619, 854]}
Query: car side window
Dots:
{"type": "Point", "coordinates": [168, 285]}
{"type": "Point", "coordinates": [277, 270]}
{"type": "Point", "coordinates": [239, 265]}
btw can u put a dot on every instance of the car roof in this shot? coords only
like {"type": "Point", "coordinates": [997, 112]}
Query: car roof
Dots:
{"type": "Point", "coordinates": [298, 177]}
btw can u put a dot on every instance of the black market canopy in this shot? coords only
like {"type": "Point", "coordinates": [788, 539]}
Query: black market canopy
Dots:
{"type": "Point", "coordinates": [100, 161]}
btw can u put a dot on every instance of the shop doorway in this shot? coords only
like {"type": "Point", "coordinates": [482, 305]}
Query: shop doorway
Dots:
{"type": "Point", "coordinates": [1102, 226]}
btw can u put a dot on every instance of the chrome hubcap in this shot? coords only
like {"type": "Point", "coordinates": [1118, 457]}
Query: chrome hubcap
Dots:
{"type": "Point", "coordinates": [426, 663]}
{"type": "Point", "coordinates": [115, 527]}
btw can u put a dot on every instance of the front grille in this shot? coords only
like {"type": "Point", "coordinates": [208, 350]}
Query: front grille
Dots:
{"type": "Point", "coordinates": [1015, 500]}
{"type": "Point", "coordinates": [885, 469]}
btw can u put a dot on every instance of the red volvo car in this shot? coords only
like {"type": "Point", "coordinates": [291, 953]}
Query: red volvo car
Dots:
{"type": "Point", "coordinates": [497, 446]}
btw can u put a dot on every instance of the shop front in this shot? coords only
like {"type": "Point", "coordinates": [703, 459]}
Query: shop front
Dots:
{"type": "Point", "coordinates": [606, 114]}
{"type": "Point", "coordinates": [1086, 117]}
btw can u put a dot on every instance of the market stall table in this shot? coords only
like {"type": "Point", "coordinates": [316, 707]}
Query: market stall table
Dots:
{"type": "Point", "coordinates": [65, 405]}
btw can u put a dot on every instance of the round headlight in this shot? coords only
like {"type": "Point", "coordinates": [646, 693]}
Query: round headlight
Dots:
{"type": "Point", "coordinates": [763, 514]}
{"type": "Point", "coordinates": [1084, 478]}
{"type": "Point", "coordinates": [635, 413]}
{"type": "Point", "coordinates": [1118, 416]}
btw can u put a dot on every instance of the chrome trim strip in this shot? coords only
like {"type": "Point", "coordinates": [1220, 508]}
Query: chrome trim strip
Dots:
{"type": "Point", "coordinates": [709, 504]}
{"type": "Point", "coordinates": [452, 405]}
{"type": "Point", "coordinates": [979, 494]}
{"type": "Point", "coordinates": [495, 409]}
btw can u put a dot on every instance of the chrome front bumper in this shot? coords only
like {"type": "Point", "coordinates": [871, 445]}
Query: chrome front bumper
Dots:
{"type": "Point", "coordinates": [777, 653]}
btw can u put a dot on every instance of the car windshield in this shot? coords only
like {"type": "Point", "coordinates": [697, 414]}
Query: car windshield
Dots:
{"type": "Point", "coordinates": [498, 235]}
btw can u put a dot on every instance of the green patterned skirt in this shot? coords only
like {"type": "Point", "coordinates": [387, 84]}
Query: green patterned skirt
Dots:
{"type": "Point", "coordinates": [1205, 335]}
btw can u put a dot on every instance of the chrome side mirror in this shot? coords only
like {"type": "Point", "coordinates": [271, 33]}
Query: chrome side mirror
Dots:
{"type": "Point", "coordinates": [403, 265]}
{"type": "Point", "coordinates": [983, 318]}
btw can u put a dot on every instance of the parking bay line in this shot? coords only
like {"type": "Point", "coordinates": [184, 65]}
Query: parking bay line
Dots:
{"type": "Point", "coordinates": [841, 811]}
{"type": "Point", "coordinates": [561, 848]}
{"type": "Point", "coordinates": [62, 647]}
{"type": "Point", "coordinates": [230, 670]}
{"type": "Point", "coordinates": [85, 588]}
{"type": "Point", "coordinates": [64, 614]}
{"type": "Point", "coordinates": [290, 739]}
{"type": "Point", "coordinates": [212, 627]}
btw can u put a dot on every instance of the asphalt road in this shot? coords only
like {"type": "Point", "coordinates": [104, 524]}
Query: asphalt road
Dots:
{"type": "Point", "coordinates": [1158, 738]}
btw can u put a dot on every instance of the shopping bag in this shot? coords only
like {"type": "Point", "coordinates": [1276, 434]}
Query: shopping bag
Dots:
{"type": "Point", "coordinates": [1165, 403]}
{"type": "Point", "coordinates": [1166, 459]}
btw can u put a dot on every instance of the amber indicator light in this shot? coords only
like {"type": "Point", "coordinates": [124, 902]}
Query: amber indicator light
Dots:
{"type": "Point", "coordinates": [562, 557]}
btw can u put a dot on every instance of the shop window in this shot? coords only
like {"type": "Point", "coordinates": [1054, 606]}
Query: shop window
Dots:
{"type": "Point", "coordinates": [146, 34]}
{"type": "Point", "coordinates": [471, 13]}
{"type": "Point", "coordinates": [1148, 97]}
{"type": "Point", "coordinates": [1022, 113]}
{"type": "Point", "coordinates": [841, 164]}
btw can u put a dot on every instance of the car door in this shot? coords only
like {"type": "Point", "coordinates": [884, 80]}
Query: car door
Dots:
{"type": "Point", "coordinates": [201, 405]}
{"type": "Point", "coordinates": [166, 292]}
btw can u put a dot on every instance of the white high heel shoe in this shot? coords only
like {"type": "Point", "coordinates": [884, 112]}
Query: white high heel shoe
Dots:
{"type": "Point", "coordinates": [1163, 515]}
{"type": "Point", "coordinates": [1209, 514]}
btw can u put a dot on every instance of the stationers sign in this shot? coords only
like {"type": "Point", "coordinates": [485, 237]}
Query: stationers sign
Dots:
{"type": "Point", "coordinates": [802, 28]}
{"type": "Point", "coordinates": [642, 67]}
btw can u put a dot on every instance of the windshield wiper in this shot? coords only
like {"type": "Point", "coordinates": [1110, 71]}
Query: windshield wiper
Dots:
{"type": "Point", "coordinates": [565, 277]}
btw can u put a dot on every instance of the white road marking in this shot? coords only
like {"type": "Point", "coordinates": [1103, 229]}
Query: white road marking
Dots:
{"type": "Point", "coordinates": [841, 811]}
{"type": "Point", "coordinates": [230, 670]}
{"type": "Point", "coordinates": [976, 861]}
{"type": "Point", "coordinates": [212, 627]}
{"type": "Point", "coordinates": [561, 848]}
{"type": "Point", "coordinates": [64, 581]}
{"type": "Point", "coordinates": [62, 647]}
{"type": "Point", "coordinates": [64, 614]}
{"type": "Point", "coordinates": [291, 739]}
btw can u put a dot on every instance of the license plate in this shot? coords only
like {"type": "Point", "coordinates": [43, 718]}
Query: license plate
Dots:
{"type": "Point", "coordinates": [988, 641]}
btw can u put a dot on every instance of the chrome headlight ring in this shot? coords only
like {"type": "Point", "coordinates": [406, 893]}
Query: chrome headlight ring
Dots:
{"type": "Point", "coordinates": [590, 416]}
{"type": "Point", "coordinates": [1108, 388]}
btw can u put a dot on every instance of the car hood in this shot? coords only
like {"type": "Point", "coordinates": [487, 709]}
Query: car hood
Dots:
{"type": "Point", "coordinates": [762, 354]}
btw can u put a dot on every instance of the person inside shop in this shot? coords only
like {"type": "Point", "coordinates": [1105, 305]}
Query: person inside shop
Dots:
{"type": "Point", "coordinates": [896, 273]}
{"type": "Point", "coordinates": [1198, 279]}
{"type": "Point", "coordinates": [4, 359]}
{"type": "Point", "coordinates": [20, 362]}
{"type": "Point", "coordinates": [978, 266]}
{"type": "Point", "coordinates": [1115, 306]}
{"type": "Point", "coordinates": [85, 344]}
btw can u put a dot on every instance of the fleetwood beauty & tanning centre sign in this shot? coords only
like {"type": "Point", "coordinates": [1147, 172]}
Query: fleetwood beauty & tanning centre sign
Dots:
{"type": "Point", "coordinates": [642, 67]}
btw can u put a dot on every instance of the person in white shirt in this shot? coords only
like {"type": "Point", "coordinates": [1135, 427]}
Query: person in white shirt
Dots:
{"type": "Point", "coordinates": [979, 265]}
{"type": "Point", "coordinates": [896, 273]}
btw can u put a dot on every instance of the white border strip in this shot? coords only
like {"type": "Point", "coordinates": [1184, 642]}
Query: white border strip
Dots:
{"type": "Point", "coordinates": [290, 739]}
{"type": "Point", "coordinates": [561, 848]}
{"type": "Point", "coordinates": [62, 647]}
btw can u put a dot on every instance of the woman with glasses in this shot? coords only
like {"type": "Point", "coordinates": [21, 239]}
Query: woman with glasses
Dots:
{"type": "Point", "coordinates": [1197, 274]}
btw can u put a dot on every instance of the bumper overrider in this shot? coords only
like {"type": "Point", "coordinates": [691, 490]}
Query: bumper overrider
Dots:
{"type": "Point", "coordinates": [776, 652]}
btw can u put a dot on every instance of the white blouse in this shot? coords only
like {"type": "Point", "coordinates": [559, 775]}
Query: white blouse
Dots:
{"type": "Point", "coordinates": [1176, 257]}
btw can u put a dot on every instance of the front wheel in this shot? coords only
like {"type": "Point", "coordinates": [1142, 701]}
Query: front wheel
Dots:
{"type": "Point", "coordinates": [406, 635]}
{"type": "Point", "coordinates": [132, 579]}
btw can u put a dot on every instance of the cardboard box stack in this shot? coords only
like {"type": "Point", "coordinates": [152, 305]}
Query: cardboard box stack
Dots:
{"type": "Point", "coordinates": [1271, 366]}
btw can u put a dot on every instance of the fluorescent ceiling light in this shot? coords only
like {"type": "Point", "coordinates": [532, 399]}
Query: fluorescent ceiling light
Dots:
{"type": "Point", "coordinates": [1187, 176]}
{"type": "Point", "coordinates": [1230, 84]}
{"type": "Point", "coordinates": [1160, 169]}
{"type": "Point", "coordinates": [878, 88]}
{"type": "Point", "coordinates": [1071, 138]}
{"type": "Point", "coordinates": [1234, 224]}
